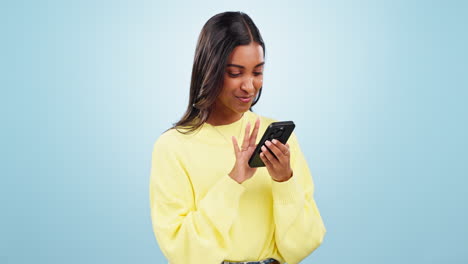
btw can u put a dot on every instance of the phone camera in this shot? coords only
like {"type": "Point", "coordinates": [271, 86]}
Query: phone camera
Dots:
{"type": "Point", "coordinates": [277, 133]}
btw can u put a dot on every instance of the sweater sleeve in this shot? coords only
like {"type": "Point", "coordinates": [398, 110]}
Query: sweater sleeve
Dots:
{"type": "Point", "coordinates": [187, 233]}
{"type": "Point", "coordinates": [299, 226]}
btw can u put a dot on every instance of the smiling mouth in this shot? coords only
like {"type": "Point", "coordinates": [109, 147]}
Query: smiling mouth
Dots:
{"type": "Point", "coordinates": [244, 99]}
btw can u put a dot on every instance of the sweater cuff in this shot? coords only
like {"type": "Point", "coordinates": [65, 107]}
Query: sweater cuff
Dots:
{"type": "Point", "coordinates": [286, 192]}
{"type": "Point", "coordinates": [230, 190]}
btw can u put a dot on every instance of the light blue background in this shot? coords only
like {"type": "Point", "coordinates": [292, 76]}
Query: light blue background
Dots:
{"type": "Point", "coordinates": [377, 89]}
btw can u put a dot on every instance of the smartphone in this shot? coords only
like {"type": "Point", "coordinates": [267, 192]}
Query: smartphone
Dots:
{"type": "Point", "coordinates": [276, 130]}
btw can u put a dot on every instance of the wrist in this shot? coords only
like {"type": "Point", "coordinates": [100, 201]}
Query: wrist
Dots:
{"type": "Point", "coordinates": [235, 176]}
{"type": "Point", "coordinates": [284, 178]}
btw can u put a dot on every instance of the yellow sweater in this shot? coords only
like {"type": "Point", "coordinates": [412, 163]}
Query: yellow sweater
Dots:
{"type": "Point", "coordinates": [202, 216]}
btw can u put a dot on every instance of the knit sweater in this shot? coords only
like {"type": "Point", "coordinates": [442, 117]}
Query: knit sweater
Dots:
{"type": "Point", "coordinates": [201, 215]}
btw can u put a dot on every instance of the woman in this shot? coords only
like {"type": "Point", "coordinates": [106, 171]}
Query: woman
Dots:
{"type": "Point", "coordinates": [207, 204]}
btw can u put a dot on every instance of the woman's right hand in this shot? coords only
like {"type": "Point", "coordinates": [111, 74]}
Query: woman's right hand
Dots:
{"type": "Point", "coordinates": [242, 171]}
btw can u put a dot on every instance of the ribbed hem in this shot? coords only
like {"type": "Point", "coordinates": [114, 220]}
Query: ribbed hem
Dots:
{"type": "Point", "coordinates": [286, 192]}
{"type": "Point", "coordinates": [231, 186]}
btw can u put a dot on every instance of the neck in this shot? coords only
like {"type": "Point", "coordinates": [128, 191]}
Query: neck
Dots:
{"type": "Point", "coordinates": [219, 117]}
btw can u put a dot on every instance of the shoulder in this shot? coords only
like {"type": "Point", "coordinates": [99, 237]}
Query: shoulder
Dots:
{"type": "Point", "coordinates": [169, 139]}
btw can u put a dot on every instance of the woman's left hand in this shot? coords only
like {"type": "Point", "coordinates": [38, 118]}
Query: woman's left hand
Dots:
{"type": "Point", "coordinates": [278, 167]}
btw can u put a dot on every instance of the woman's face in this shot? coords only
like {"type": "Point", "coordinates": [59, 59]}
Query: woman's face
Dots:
{"type": "Point", "coordinates": [243, 78]}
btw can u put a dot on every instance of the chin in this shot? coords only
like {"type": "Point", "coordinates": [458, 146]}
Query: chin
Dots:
{"type": "Point", "coordinates": [243, 109]}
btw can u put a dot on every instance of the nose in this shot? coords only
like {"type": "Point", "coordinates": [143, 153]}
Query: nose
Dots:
{"type": "Point", "coordinates": [248, 86]}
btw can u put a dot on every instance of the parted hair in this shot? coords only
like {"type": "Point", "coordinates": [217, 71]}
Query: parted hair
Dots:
{"type": "Point", "coordinates": [218, 38]}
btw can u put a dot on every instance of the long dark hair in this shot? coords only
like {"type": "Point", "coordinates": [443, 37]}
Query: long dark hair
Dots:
{"type": "Point", "coordinates": [218, 38]}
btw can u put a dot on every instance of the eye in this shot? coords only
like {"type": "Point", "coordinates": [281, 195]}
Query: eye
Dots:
{"type": "Point", "coordinates": [234, 75]}
{"type": "Point", "coordinates": [257, 73]}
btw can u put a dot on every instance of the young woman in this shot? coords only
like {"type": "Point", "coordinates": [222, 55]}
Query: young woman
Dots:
{"type": "Point", "coordinates": [207, 204]}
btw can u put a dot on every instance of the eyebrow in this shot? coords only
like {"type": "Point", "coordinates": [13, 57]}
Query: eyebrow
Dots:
{"type": "Point", "coordinates": [242, 67]}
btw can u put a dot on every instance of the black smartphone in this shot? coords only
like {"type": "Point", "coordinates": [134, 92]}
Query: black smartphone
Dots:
{"type": "Point", "coordinates": [276, 130]}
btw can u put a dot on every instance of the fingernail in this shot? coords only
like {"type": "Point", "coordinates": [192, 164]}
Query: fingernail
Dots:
{"type": "Point", "coordinates": [268, 143]}
{"type": "Point", "coordinates": [263, 148]}
{"type": "Point", "coordinates": [275, 141]}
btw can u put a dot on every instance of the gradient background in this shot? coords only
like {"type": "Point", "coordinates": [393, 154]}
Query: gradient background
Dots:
{"type": "Point", "coordinates": [377, 89]}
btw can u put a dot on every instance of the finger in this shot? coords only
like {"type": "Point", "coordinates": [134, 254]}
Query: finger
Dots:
{"type": "Point", "coordinates": [269, 156]}
{"type": "Point", "coordinates": [284, 148]}
{"type": "Point", "coordinates": [236, 145]}
{"type": "Point", "coordinates": [245, 142]}
{"type": "Point", "coordinates": [265, 161]}
{"type": "Point", "coordinates": [253, 137]}
{"type": "Point", "coordinates": [278, 153]}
